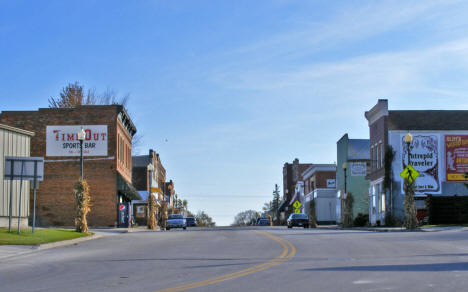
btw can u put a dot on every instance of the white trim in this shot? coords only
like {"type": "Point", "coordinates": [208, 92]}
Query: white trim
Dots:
{"type": "Point", "coordinates": [317, 167]}
{"type": "Point", "coordinates": [78, 159]}
{"type": "Point", "coordinates": [377, 181]}
{"type": "Point", "coordinates": [17, 130]}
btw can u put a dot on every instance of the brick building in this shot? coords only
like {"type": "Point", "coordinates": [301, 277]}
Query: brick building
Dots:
{"type": "Point", "coordinates": [107, 159]}
{"type": "Point", "coordinates": [320, 186]}
{"type": "Point", "coordinates": [140, 180]}
{"type": "Point", "coordinates": [319, 176]}
{"type": "Point", "coordinates": [292, 182]}
{"type": "Point", "coordinates": [439, 152]}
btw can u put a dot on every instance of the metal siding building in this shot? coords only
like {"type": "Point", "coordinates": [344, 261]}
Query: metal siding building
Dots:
{"type": "Point", "coordinates": [13, 142]}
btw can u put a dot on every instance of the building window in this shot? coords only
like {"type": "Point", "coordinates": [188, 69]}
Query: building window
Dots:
{"type": "Point", "coordinates": [377, 156]}
{"type": "Point", "coordinates": [382, 154]}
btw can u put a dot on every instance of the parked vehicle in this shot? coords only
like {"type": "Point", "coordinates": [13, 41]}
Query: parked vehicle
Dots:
{"type": "Point", "coordinates": [191, 222]}
{"type": "Point", "coordinates": [299, 220]}
{"type": "Point", "coordinates": [176, 221]}
{"type": "Point", "coordinates": [263, 222]}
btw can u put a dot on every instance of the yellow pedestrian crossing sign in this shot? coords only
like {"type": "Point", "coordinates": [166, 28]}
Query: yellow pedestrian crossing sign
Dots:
{"type": "Point", "coordinates": [297, 211]}
{"type": "Point", "coordinates": [297, 204]}
{"type": "Point", "coordinates": [409, 173]}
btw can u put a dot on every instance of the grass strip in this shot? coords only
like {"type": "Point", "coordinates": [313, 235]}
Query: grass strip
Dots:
{"type": "Point", "coordinates": [26, 237]}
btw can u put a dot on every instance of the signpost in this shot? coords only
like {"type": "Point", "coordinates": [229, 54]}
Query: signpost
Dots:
{"type": "Point", "coordinates": [23, 168]}
{"type": "Point", "coordinates": [296, 206]}
{"type": "Point", "coordinates": [409, 173]}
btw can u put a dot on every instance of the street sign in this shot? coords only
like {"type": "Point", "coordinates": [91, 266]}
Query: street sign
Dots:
{"type": "Point", "coordinates": [24, 168]}
{"type": "Point", "coordinates": [409, 173]}
{"type": "Point", "coordinates": [297, 204]}
{"type": "Point", "coordinates": [297, 210]}
{"type": "Point", "coordinates": [156, 190]}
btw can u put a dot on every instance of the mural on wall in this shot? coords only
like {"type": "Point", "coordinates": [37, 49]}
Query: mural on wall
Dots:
{"type": "Point", "coordinates": [358, 168]}
{"type": "Point", "coordinates": [456, 154]}
{"type": "Point", "coordinates": [424, 158]}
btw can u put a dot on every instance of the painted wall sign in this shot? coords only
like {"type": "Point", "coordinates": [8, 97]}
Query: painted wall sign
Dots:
{"type": "Point", "coordinates": [63, 140]}
{"type": "Point", "coordinates": [425, 159]}
{"type": "Point", "coordinates": [331, 183]}
{"type": "Point", "coordinates": [456, 155]}
{"type": "Point", "coordinates": [358, 168]}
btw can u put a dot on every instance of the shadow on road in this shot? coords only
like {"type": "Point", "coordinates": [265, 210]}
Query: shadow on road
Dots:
{"type": "Point", "coordinates": [187, 259]}
{"type": "Point", "coordinates": [438, 267]}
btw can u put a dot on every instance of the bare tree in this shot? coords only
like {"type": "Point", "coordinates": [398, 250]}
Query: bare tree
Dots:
{"type": "Point", "coordinates": [73, 95]}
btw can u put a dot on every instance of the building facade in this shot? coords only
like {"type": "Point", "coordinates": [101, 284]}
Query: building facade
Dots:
{"type": "Point", "coordinates": [352, 162]}
{"type": "Point", "coordinates": [107, 159]}
{"type": "Point", "coordinates": [141, 181]}
{"type": "Point", "coordinates": [292, 174]}
{"type": "Point", "coordinates": [320, 186]}
{"type": "Point", "coordinates": [438, 151]}
{"type": "Point", "coordinates": [14, 142]}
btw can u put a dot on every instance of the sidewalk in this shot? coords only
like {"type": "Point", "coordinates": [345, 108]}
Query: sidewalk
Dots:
{"type": "Point", "coordinates": [7, 251]}
{"type": "Point", "coordinates": [402, 229]}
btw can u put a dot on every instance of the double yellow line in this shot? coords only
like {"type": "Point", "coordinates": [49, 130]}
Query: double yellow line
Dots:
{"type": "Point", "coordinates": [288, 252]}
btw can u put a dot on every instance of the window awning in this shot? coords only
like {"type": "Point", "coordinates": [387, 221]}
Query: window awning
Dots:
{"type": "Point", "coordinates": [126, 189]}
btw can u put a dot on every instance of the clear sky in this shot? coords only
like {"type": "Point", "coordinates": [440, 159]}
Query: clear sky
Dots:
{"type": "Point", "coordinates": [238, 88]}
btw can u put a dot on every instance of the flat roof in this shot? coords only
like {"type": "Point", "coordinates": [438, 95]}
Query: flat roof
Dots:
{"type": "Point", "coordinates": [428, 120]}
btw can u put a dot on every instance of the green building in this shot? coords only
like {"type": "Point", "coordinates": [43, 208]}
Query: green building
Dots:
{"type": "Point", "coordinates": [352, 160]}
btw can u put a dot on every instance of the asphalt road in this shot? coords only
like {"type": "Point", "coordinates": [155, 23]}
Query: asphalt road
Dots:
{"type": "Point", "coordinates": [230, 259]}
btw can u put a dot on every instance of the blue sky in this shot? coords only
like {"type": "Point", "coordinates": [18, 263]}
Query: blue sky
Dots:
{"type": "Point", "coordinates": [238, 87]}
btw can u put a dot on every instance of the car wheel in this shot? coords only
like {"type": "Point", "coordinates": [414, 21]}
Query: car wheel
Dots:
{"type": "Point", "coordinates": [167, 228]}
{"type": "Point", "coordinates": [289, 226]}
{"type": "Point", "coordinates": [306, 226]}
{"type": "Point", "coordinates": [184, 228]}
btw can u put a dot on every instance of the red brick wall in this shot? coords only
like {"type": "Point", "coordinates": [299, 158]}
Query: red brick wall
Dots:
{"type": "Point", "coordinates": [55, 193]}
{"type": "Point", "coordinates": [321, 178]}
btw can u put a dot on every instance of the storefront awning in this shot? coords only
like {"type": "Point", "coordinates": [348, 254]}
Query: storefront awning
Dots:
{"type": "Point", "coordinates": [282, 205]}
{"type": "Point", "coordinates": [126, 189]}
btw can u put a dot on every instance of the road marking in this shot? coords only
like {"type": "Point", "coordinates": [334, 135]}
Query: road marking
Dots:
{"type": "Point", "coordinates": [288, 252]}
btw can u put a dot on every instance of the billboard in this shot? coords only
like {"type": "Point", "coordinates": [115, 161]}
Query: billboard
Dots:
{"type": "Point", "coordinates": [63, 140]}
{"type": "Point", "coordinates": [456, 155]}
{"type": "Point", "coordinates": [424, 157]}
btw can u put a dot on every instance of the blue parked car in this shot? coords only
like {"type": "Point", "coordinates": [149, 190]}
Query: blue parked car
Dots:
{"type": "Point", "coordinates": [176, 221]}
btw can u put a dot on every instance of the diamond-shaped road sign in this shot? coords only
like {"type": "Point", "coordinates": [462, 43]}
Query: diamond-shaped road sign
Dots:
{"type": "Point", "coordinates": [297, 204]}
{"type": "Point", "coordinates": [297, 210]}
{"type": "Point", "coordinates": [409, 173]}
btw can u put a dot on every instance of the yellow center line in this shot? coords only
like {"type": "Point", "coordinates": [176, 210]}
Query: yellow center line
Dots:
{"type": "Point", "coordinates": [288, 252]}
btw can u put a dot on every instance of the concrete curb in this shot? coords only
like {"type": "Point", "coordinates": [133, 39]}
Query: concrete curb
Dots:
{"type": "Point", "coordinates": [33, 248]}
{"type": "Point", "coordinates": [67, 242]}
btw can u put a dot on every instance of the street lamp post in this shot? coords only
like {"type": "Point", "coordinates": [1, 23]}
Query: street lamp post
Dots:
{"type": "Point", "coordinates": [150, 197]}
{"type": "Point", "coordinates": [345, 166]}
{"type": "Point", "coordinates": [408, 140]}
{"type": "Point", "coordinates": [81, 137]}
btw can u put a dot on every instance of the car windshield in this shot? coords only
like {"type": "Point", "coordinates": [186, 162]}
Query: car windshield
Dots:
{"type": "Point", "coordinates": [300, 216]}
{"type": "Point", "coordinates": [176, 216]}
